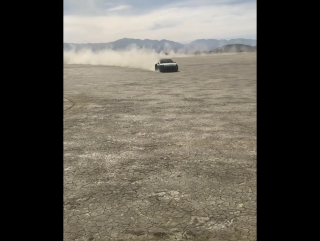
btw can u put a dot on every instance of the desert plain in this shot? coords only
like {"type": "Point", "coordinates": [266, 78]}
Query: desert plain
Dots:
{"type": "Point", "coordinates": [161, 156]}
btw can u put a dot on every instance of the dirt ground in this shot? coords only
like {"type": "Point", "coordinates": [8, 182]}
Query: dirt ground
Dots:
{"type": "Point", "coordinates": [161, 156]}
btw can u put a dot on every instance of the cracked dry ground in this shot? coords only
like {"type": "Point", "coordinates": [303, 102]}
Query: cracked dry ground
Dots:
{"type": "Point", "coordinates": [161, 156]}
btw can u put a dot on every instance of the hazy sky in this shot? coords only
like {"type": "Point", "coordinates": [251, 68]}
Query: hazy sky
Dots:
{"type": "Point", "coordinates": [101, 21]}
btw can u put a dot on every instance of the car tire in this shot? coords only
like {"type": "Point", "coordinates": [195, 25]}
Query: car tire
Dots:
{"type": "Point", "coordinates": [155, 67]}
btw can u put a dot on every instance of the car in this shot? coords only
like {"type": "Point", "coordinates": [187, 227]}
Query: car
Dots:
{"type": "Point", "coordinates": [166, 65]}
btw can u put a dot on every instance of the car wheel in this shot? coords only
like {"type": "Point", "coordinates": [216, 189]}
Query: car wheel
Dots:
{"type": "Point", "coordinates": [155, 67]}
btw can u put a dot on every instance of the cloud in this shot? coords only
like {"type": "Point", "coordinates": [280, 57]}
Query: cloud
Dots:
{"type": "Point", "coordinates": [100, 7]}
{"type": "Point", "coordinates": [179, 21]}
{"type": "Point", "coordinates": [160, 25]}
{"type": "Point", "coordinates": [119, 8]}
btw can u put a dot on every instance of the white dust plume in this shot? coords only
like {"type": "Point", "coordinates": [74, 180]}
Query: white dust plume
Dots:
{"type": "Point", "coordinates": [133, 57]}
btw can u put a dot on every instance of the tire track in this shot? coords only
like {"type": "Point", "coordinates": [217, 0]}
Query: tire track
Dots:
{"type": "Point", "coordinates": [69, 106]}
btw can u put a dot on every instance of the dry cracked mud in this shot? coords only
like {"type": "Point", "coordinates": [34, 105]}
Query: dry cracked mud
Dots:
{"type": "Point", "coordinates": [161, 156]}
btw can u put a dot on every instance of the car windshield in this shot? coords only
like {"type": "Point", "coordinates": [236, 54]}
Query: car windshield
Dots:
{"type": "Point", "coordinates": [166, 61]}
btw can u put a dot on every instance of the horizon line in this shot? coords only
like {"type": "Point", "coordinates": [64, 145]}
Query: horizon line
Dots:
{"type": "Point", "coordinates": [161, 40]}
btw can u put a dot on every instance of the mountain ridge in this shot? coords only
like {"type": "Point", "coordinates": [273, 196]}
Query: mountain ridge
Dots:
{"type": "Point", "coordinates": [160, 45]}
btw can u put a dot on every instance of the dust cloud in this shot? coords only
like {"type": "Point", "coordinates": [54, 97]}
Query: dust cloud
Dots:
{"type": "Point", "coordinates": [133, 57]}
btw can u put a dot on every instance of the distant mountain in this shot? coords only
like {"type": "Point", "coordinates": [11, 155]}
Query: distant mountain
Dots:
{"type": "Point", "coordinates": [161, 45]}
{"type": "Point", "coordinates": [232, 48]}
{"type": "Point", "coordinates": [211, 44]}
{"type": "Point", "coordinates": [125, 43]}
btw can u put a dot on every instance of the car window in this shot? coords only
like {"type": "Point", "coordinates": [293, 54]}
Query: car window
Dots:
{"type": "Point", "coordinates": [166, 61]}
